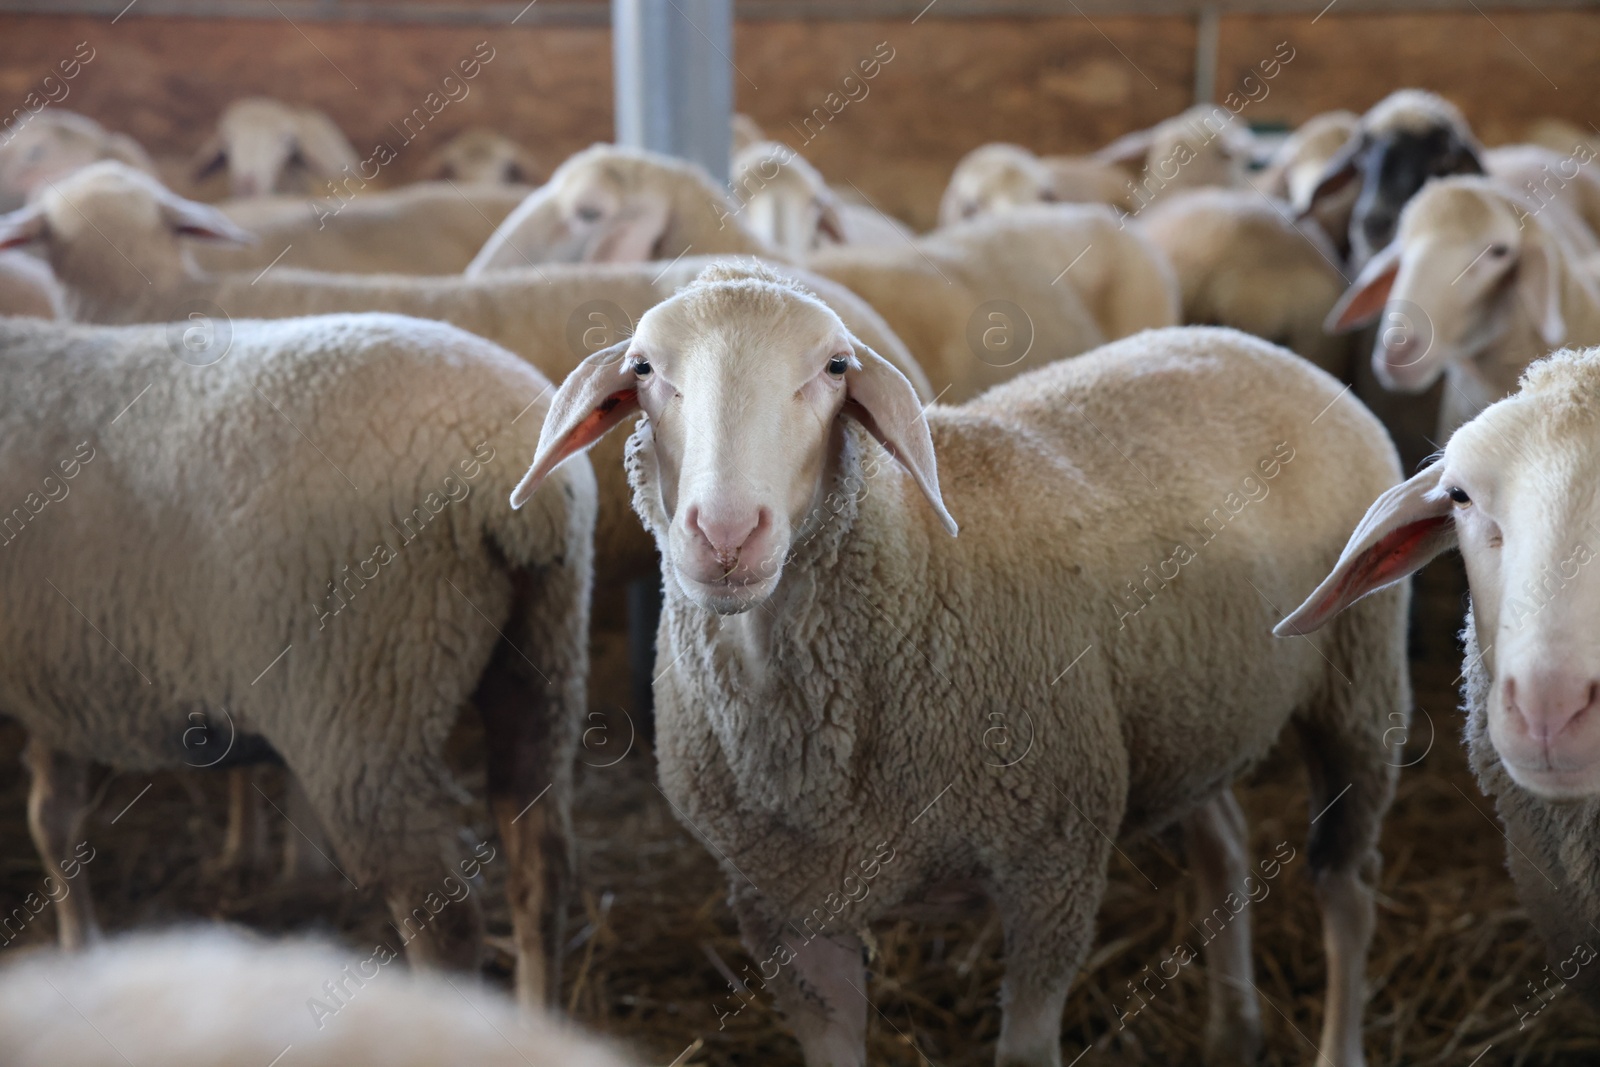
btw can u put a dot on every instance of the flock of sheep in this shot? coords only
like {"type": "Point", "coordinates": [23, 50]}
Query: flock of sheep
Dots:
{"type": "Point", "coordinates": [299, 476]}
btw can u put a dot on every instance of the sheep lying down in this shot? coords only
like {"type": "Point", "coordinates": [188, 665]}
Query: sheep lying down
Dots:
{"type": "Point", "coordinates": [211, 998]}
{"type": "Point", "coordinates": [1514, 491]}
{"type": "Point", "coordinates": [831, 655]}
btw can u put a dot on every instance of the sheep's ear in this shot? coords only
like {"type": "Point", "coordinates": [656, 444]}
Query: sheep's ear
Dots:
{"type": "Point", "coordinates": [1364, 300]}
{"type": "Point", "coordinates": [597, 395]}
{"type": "Point", "coordinates": [883, 400]}
{"type": "Point", "coordinates": [191, 219]}
{"type": "Point", "coordinates": [829, 222]}
{"type": "Point", "coordinates": [322, 146]}
{"type": "Point", "coordinates": [633, 236]}
{"type": "Point", "coordinates": [23, 226]}
{"type": "Point", "coordinates": [1128, 150]}
{"type": "Point", "coordinates": [1339, 172]}
{"type": "Point", "coordinates": [1539, 286]}
{"type": "Point", "coordinates": [1403, 529]}
{"type": "Point", "coordinates": [212, 157]}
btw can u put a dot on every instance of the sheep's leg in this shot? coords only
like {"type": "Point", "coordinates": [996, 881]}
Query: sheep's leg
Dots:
{"type": "Point", "coordinates": [824, 998]}
{"type": "Point", "coordinates": [305, 846]}
{"type": "Point", "coordinates": [530, 794]}
{"type": "Point", "coordinates": [244, 841]}
{"type": "Point", "coordinates": [58, 803]}
{"type": "Point", "coordinates": [1049, 931]}
{"type": "Point", "coordinates": [1218, 846]}
{"type": "Point", "coordinates": [1348, 918]}
{"type": "Point", "coordinates": [389, 816]}
{"type": "Point", "coordinates": [1352, 782]}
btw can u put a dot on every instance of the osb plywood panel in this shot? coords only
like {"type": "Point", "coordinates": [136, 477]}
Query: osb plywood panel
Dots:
{"type": "Point", "coordinates": [940, 86]}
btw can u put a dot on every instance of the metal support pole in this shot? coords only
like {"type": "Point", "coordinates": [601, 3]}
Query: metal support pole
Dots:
{"type": "Point", "coordinates": [674, 78]}
{"type": "Point", "coordinates": [1208, 30]}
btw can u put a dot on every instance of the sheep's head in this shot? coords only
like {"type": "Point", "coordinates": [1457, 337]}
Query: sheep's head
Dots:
{"type": "Point", "coordinates": [1406, 139]}
{"type": "Point", "coordinates": [109, 230]}
{"type": "Point", "coordinates": [992, 179]}
{"type": "Point", "coordinates": [744, 380]}
{"type": "Point", "coordinates": [484, 157]}
{"type": "Point", "coordinates": [785, 199]}
{"type": "Point", "coordinates": [52, 144]}
{"type": "Point", "coordinates": [1515, 489]}
{"type": "Point", "coordinates": [1467, 253]}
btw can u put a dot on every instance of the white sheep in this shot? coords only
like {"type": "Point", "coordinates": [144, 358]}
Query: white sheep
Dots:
{"type": "Point", "coordinates": [28, 288]}
{"type": "Point", "coordinates": [1205, 145]}
{"type": "Point", "coordinates": [787, 201]}
{"type": "Point", "coordinates": [212, 998]}
{"type": "Point", "coordinates": [835, 735]}
{"type": "Point", "coordinates": [999, 177]}
{"type": "Point", "coordinates": [270, 146]}
{"type": "Point", "coordinates": [1514, 491]}
{"type": "Point", "coordinates": [1243, 261]}
{"type": "Point", "coordinates": [424, 228]}
{"type": "Point", "coordinates": [550, 316]}
{"type": "Point", "coordinates": [480, 155]}
{"type": "Point", "coordinates": [228, 540]}
{"type": "Point", "coordinates": [1297, 166]}
{"type": "Point", "coordinates": [1478, 283]}
{"type": "Point", "coordinates": [971, 301]}
{"type": "Point", "coordinates": [53, 144]}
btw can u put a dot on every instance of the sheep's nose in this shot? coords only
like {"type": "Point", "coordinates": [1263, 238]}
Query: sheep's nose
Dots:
{"type": "Point", "coordinates": [727, 532]}
{"type": "Point", "coordinates": [1546, 705]}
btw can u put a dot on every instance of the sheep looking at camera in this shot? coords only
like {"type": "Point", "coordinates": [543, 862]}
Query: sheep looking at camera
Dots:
{"type": "Point", "coordinates": [1514, 491]}
{"type": "Point", "coordinates": [783, 466]}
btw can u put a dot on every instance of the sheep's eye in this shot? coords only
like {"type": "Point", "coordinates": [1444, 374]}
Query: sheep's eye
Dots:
{"type": "Point", "coordinates": [1499, 250]}
{"type": "Point", "coordinates": [589, 213]}
{"type": "Point", "coordinates": [838, 365]}
{"type": "Point", "coordinates": [641, 368]}
{"type": "Point", "coordinates": [1459, 495]}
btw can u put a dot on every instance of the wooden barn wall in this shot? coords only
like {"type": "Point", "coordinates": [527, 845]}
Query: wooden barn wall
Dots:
{"type": "Point", "coordinates": [1058, 84]}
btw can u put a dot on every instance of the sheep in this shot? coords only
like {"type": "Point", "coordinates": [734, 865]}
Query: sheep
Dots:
{"type": "Point", "coordinates": [28, 288]}
{"type": "Point", "coordinates": [1403, 140]}
{"type": "Point", "coordinates": [1478, 284]}
{"type": "Point", "coordinates": [789, 204]}
{"type": "Point", "coordinates": [1514, 491]}
{"type": "Point", "coordinates": [546, 315]}
{"type": "Point", "coordinates": [1202, 146]}
{"type": "Point", "coordinates": [1297, 166]}
{"type": "Point", "coordinates": [998, 177]}
{"type": "Point", "coordinates": [209, 579]}
{"type": "Point", "coordinates": [484, 156]}
{"type": "Point", "coordinates": [267, 146]}
{"type": "Point", "coordinates": [205, 997]}
{"type": "Point", "coordinates": [968, 300]}
{"type": "Point", "coordinates": [782, 732]}
{"type": "Point", "coordinates": [53, 144]}
{"type": "Point", "coordinates": [425, 228]}
{"type": "Point", "coordinates": [1243, 262]}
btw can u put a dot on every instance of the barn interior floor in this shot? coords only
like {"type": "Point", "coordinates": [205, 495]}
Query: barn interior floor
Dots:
{"type": "Point", "coordinates": [1451, 964]}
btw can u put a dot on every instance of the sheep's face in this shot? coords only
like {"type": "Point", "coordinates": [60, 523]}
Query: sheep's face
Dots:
{"type": "Point", "coordinates": [743, 411]}
{"type": "Point", "coordinates": [112, 232]}
{"type": "Point", "coordinates": [1393, 166]}
{"type": "Point", "coordinates": [743, 379]}
{"type": "Point", "coordinates": [605, 219]}
{"type": "Point", "coordinates": [1466, 263]}
{"type": "Point", "coordinates": [996, 178]}
{"type": "Point", "coordinates": [40, 153]}
{"type": "Point", "coordinates": [1516, 490]}
{"type": "Point", "coordinates": [1521, 482]}
{"type": "Point", "coordinates": [1457, 250]}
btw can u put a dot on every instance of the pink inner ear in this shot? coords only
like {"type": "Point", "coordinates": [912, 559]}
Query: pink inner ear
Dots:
{"type": "Point", "coordinates": [1392, 558]}
{"type": "Point", "coordinates": [606, 414]}
{"type": "Point", "coordinates": [1368, 302]}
